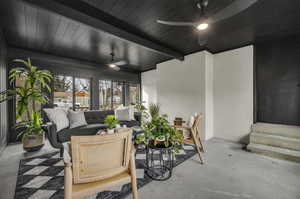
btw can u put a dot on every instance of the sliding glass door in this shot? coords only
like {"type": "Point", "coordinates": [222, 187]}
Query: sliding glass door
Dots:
{"type": "Point", "coordinates": [82, 94]}
{"type": "Point", "coordinates": [63, 92]}
{"type": "Point", "coordinates": [105, 94]}
{"type": "Point", "coordinates": [118, 94]}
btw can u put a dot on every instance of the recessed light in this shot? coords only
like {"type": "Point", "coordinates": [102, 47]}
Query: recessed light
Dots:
{"type": "Point", "coordinates": [202, 26]}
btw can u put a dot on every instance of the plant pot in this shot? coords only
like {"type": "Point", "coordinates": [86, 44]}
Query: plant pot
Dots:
{"type": "Point", "coordinates": [33, 142]}
{"type": "Point", "coordinates": [110, 131]}
{"type": "Point", "coordinates": [158, 141]}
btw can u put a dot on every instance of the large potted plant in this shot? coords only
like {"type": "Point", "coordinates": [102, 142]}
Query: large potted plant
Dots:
{"type": "Point", "coordinates": [27, 97]}
{"type": "Point", "coordinates": [159, 132]}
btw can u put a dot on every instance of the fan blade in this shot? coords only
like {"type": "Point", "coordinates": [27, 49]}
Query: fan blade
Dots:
{"type": "Point", "coordinates": [233, 9]}
{"type": "Point", "coordinates": [176, 23]}
{"type": "Point", "coordinates": [120, 63]}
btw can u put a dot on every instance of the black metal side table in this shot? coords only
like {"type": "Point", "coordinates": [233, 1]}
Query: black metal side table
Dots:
{"type": "Point", "coordinates": [159, 162]}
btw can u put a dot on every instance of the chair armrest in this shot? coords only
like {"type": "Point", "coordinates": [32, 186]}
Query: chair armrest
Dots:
{"type": "Point", "coordinates": [51, 131]}
{"type": "Point", "coordinates": [133, 149]}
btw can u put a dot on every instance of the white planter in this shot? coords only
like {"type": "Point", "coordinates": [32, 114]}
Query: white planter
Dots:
{"type": "Point", "coordinates": [110, 131]}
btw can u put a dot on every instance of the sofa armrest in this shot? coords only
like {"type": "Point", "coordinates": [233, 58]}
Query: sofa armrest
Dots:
{"type": "Point", "coordinates": [52, 135]}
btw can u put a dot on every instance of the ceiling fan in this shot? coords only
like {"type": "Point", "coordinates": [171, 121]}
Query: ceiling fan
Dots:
{"type": "Point", "coordinates": [205, 22]}
{"type": "Point", "coordinates": [115, 64]}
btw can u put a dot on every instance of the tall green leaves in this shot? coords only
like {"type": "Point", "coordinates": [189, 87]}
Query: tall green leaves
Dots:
{"type": "Point", "coordinates": [154, 110]}
{"type": "Point", "coordinates": [31, 92]}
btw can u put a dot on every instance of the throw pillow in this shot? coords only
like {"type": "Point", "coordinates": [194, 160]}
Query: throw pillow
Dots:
{"type": "Point", "coordinates": [123, 114]}
{"type": "Point", "coordinates": [58, 116]}
{"type": "Point", "coordinates": [76, 119]}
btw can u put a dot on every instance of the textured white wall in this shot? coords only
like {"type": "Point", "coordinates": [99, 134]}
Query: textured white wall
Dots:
{"type": "Point", "coordinates": [149, 87]}
{"type": "Point", "coordinates": [182, 89]}
{"type": "Point", "coordinates": [220, 86]}
{"type": "Point", "coordinates": [233, 94]}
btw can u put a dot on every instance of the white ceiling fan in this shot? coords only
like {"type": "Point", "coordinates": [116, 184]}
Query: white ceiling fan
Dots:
{"type": "Point", "coordinates": [206, 21]}
{"type": "Point", "coordinates": [115, 64]}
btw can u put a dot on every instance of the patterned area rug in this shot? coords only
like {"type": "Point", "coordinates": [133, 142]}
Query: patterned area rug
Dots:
{"type": "Point", "coordinates": [42, 177]}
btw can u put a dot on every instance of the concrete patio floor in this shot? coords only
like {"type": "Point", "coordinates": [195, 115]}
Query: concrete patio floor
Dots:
{"type": "Point", "coordinates": [228, 173]}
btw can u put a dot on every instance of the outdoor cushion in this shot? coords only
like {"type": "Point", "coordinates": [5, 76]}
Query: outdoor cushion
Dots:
{"type": "Point", "coordinates": [76, 119]}
{"type": "Point", "coordinates": [90, 129]}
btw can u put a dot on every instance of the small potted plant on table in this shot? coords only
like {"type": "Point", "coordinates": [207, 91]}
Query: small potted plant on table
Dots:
{"type": "Point", "coordinates": [111, 123]}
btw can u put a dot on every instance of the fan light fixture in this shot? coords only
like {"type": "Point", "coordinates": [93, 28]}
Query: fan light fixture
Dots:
{"type": "Point", "coordinates": [112, 65]}
{"type": "Point", "coordinates": [202, 26]}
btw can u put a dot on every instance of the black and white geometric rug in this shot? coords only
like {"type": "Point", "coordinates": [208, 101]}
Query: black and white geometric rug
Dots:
{"type": "Point", "coordinates": [42, 177]}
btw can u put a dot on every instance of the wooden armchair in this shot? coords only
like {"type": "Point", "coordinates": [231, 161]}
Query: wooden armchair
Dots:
{"type": "Point", "coordinates": [100, 163]}
{"type": "Point", "coordinates": [195, 132]}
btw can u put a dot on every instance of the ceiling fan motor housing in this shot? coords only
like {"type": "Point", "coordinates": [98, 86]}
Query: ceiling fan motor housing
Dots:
{"type": "Point", "coordinates": [202, 4]}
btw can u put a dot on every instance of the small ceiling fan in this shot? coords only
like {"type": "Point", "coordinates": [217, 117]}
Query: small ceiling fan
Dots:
{"type": "Point", "coordinates": [115, 64]}
{"type": "Point", "coordinates": [205, 22]}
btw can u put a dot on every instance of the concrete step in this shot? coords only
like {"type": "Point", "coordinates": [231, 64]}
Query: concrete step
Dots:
{"type": "Point", "coordinates": [275, 140]}
{"type": "Point", "coordinates": [277, 129]}
{"type": "Point", "coordinates": [275, 152]}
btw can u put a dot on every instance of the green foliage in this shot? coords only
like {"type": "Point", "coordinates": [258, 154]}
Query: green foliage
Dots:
{"type": "Point", "coordinates": [160, 129]}
{"type": "Point", "coordinates": [142, 110]}
{"type": "Point", "coordinates": [30, 94]}
{"type": "Point", "coordinates": [32, 127]}
{"type": "Point", "coordinates": [35, 80]}
{"type": "Point", "coordinates": [111, 121]}
{"type": "Point", "coordinates": [154, 110]}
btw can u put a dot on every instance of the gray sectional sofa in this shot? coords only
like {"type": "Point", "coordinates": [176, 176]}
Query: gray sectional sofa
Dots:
{"type": "Point", "coordinates": [95, 120]}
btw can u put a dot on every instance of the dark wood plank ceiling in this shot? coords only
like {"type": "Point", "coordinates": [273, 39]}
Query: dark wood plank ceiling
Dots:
{"type": "Point", "coordinates": [29, 27]}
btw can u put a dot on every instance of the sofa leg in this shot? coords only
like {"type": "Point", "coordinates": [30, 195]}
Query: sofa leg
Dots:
{"type": "Point", "coordinates": [62, 152]}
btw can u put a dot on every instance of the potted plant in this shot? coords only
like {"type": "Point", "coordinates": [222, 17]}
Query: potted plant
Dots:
{"type": "Point", "coordinates": [111, 123]}
{"type": "Point", "coordinates": [159, 132]}
{"type": "Point", "coordinates": [27, 98]}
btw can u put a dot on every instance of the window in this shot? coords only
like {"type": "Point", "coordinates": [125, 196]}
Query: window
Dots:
{"type": "Point", "coordinates": [63, 91]}
{"type": "Point", "coordinates": [82, 94]}
{"type": "Point", "coordinates": [117, 94]}
{"type": "Point", "coordinates": [134, 93]}
{"type": "Point", "coordinates": [105, 94]}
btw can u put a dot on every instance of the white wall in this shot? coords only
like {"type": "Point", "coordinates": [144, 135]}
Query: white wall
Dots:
{"type": "Point", "coordinates": [220, 86]}
{"type": "Point", "coordinates": [149, 87]}
{"type": "Point", "coordinates": [233, 94]}
{"type": "Point", "coordinates": [182, 88]}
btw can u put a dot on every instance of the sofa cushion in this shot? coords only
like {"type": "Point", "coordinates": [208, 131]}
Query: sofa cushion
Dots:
{"type": "Point", "coordinates": [96, 117]}
{"type": "Point", "coordinates": [90, 129]}
{"type": "Point", "coordinates": [76, 119]}
{"type": "Point", "coordinates": [130, 123]}
{"type": "Point", "coordinates": [58, 116]}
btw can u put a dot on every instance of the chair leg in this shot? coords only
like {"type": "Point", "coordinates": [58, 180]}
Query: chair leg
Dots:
{"type": "Point", "coordinates": [197, 145]}
{"type": "Point", "coordinates": [200, 141]}
{"type": "Point", "coordinates": [133, 177]}
{"type": "Point", "coordinates": [62, 152]}
{"type": "Point", "coordinates": [68, 183]}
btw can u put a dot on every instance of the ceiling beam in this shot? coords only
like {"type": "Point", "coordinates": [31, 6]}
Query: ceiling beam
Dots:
{"type": "Point", "coordinates": [84, 13]}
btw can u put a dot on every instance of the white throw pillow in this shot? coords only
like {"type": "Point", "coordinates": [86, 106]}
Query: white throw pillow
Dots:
{"type": "Point", "coordinates": [58, 116]}
{"type": "Point", "coordinates": [76, 119]}
{"type": "Point", "coordinates": [123, 114]}
{"type": "Point", "coordinates": [126, 110]}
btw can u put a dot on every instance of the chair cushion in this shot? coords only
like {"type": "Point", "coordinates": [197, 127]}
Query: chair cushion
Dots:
{"type": "Point", "coordinates": [90, 129]}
